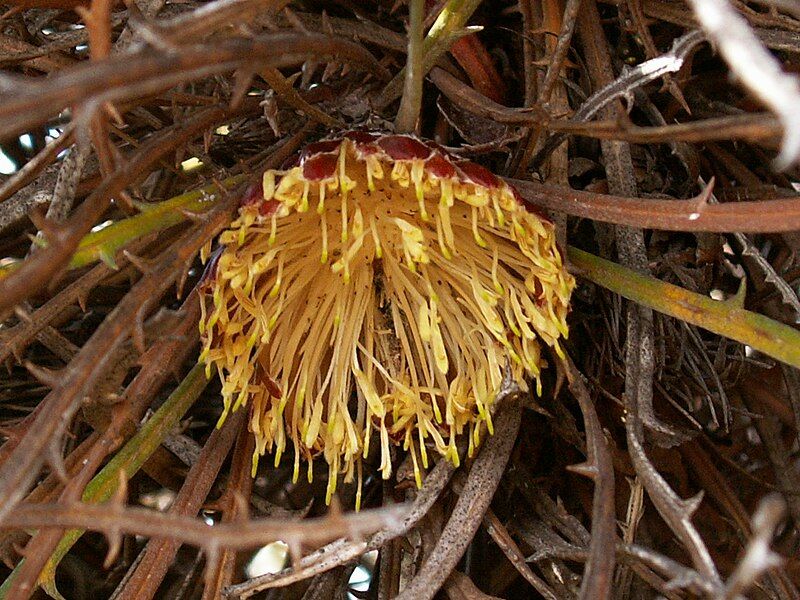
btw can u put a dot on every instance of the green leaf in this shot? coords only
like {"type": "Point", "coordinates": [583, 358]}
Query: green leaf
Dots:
{"type": "Point", "coordinates": [726, 318]}
{"type": "Point", "coordinates": [127, 461]}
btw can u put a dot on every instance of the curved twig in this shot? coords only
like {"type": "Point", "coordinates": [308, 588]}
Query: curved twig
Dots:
{"type": "Point", "coordinates": [341, 551]}
{"type": "Point", "coordinates": [668, 215]}
{"type": "Point", "coordinates": [485, 475]}
{"type": "Point", "coordinates": [599, 572]}
{"type": "Point", "coordinates": [113, 520]}
{"type": "Point", "coordinates": [58, 407]}
{"type": "Point", "coordinates": [28, 101]}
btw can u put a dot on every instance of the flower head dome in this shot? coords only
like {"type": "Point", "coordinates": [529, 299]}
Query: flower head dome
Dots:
{"type": "Point", "coordinates": [379, 289]}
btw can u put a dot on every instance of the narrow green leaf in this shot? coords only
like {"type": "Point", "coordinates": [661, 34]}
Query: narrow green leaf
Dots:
{"type": "Point", "coordinates": [728, 318]}
{"type": "Point", "coordinates": [128, 460]}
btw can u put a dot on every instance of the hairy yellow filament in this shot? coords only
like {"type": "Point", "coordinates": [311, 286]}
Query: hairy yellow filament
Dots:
{"type": "Point", "coordinates": [384, 317]}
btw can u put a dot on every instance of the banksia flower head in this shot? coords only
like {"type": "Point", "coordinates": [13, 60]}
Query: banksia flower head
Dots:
{"type": "Point", "coordinates": [379, 289]}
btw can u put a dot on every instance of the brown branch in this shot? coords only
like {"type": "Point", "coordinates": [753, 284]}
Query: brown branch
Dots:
{"type": "Point", "coordinates": [159, 554]}
{"type": "Point", "coordinates": [598, 575]}
{"type": "Point", "coordinates": [28, 101]}
{"type": "Point", "coordinates": [113, 520]}
{"type": "Point", "coordinates": [475, 498]}
{"type": "Point", "coordinates": [235, 508]}
{"type": "Point", "coordinates": [668, 215]}
{"type": "Point", "coordinates": [58, 407]}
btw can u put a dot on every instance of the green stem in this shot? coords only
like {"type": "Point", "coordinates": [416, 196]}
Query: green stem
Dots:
{"type": "Point", "coordinates": [126, 462]}
{"type": "Point", "coordinates": [105, 243]}
{"type": "Point", "coordinates": [723, 318]}
{"type": "Point", "coordinates": [411, 102]}
{"type": "Point", "coordinates": [447, 29]}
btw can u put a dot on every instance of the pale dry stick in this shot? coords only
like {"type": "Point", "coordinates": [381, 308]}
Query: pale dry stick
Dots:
{"type": "Point", "coordinates": [758, 556]}
{"type": "Point", "coordinates": [343, 551]}
{"type": "Point", "coordinates": [475, 498]}
{"type": "Point", "coordinates": [756, 127]}
{"type": "Point", "coordinates": [758, 70]}
{"type": "Point", "coordinates": [638, 557]}
{"type": "Point", "coordinates": [624, 85]}
{"type": "Point", "coordinates": [69, 176]}
{"type": "Point", "coordinates": [676, 512]}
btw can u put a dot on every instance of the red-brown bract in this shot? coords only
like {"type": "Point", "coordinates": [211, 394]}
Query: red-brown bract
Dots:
{"type": "Point", "coordinates": [380, 286]}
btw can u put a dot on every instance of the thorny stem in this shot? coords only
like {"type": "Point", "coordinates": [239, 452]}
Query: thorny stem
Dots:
{"type": "Point", "coordinates": [676, 512]}
{"type": "Point", "coordinates": [599, 573]}
{"type": "Point", "coordinates": [112, 520]}
{"type": "Point", "coordinates": [475, 498]}
{"type": "Point", "coordinates": [126, 462]}
{"type": "Point", "coordinates": [37, 550]}
{"type": "Point", "coordinates": [38, 270]}
{"type": "Point", "coordinates": [667, 215]}
{"type": "Point", "coordinates": [104, 244]}
{"type": "Point", "coordinates": [723, 318]}
{"type": "Point", "coordinates": [408, 113]}
{"type": "Point", "coordinates": [133, 75]}
{"type": "Point", "coordinates": [60, 405]}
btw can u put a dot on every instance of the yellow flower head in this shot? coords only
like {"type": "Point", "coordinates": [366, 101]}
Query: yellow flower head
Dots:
{"type": "Point", "coordinates": [379, 288]}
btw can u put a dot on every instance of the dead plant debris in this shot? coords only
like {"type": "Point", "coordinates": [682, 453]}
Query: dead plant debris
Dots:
{"type": "Point", "coordinates": [661, 458]}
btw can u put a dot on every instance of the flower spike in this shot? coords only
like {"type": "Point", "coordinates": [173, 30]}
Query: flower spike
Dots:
{"type": "Point", "coordinates": [375, 291]}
